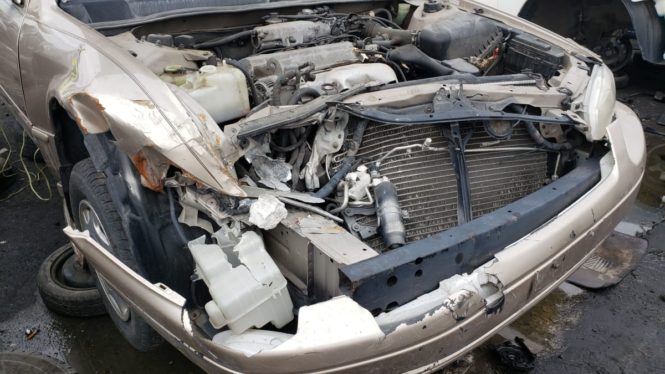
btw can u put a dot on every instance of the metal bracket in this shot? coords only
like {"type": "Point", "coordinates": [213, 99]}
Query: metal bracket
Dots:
{"type": "Point", "coordinates": [452, 98]}
{"type": "Point", "coordinates": [456, 147]}
{"type": "Point", "coordinates": [364, 231]}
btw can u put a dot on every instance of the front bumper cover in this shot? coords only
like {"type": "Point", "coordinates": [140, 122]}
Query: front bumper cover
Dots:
{"type": "Point", "coordinates": [527, 270]}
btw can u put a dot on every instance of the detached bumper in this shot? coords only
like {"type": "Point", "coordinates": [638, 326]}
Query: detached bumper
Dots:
{"type": "Point", "coordinates": [329, 340]}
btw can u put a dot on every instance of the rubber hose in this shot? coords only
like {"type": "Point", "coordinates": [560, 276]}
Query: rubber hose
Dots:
{"type": "Point", "coordinates": [541, 141]}
{"type": "Point", "coordinates": [279, 82]}
{"type": "Point", "coordinates": [538, 137]}
{"type": "Point", "coordinates": [225, 39]}
{"type": "Point", "coordinates": [410, 54]}
{"type": "Point", "coordinates": [385, 12]}
{"type": "Point", "coordinates": [348, 164]}
{"type": "Point", "coordinates": [248, 78]}
{"type": "Point", "coordinates": [291, 147]}
{"type": "Point", "coordinates": [302, 92]}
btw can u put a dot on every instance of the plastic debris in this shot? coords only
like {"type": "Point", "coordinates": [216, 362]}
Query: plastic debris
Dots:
{"type": "Point", "coordinates": [31, 333]}
{"type": "Point", "coordinates": [272, 173]}
{"type": "Point", "coordinates": [267, 212]}
{"type": "Point", "coordinates": [516, 356]}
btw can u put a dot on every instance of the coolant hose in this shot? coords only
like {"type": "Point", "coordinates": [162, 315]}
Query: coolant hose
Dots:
{"type": "Point", "coordinates": [291, 147]}
{"type": "Point", "coordinates": [248, 78]}
{"type": "Point", "coordinates": [541, 141]}
{"type": "Point", "coordinates": [303, 92]}
{"type": "Point", "coordinates": [348, 164]}
{"type": "Point", "coordinates": [385, 12]}
{"type": "Point", "coordinates": [225, 39]}
{"type": "Point", "coordinates": [410, 54]}
{"type": "Point", "coordinates": [538, 137]}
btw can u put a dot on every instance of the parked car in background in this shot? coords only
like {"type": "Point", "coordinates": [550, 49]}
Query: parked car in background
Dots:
{"type": "Point", "coordinates": [302, 186]}
{"type": "Point", "coordinates": [616, 30]}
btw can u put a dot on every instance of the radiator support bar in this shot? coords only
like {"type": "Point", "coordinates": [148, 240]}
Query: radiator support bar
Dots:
{"type": "Point", "coordinates": [386, 281]}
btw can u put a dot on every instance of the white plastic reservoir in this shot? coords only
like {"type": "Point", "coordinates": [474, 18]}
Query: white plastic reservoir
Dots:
{"type": "Point", "coordinates": [247, 288]}
{"type": "Point", "coordinates": [221, 91]}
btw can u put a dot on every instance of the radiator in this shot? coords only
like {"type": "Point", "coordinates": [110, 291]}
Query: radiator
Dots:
{"type": "Point", "coordinates": [426, 182]}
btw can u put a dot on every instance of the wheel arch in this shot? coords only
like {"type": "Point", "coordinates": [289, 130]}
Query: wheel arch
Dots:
{"type": "Point", "coordinates": [68, 143]}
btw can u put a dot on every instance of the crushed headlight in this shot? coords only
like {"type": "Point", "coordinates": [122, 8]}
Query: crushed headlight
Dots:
{"type": "Point", "coordinates": [599, 101]}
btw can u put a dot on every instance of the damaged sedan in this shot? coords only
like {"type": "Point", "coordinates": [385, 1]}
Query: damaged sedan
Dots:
{"type": "Point", "coordinates": [301, 186]}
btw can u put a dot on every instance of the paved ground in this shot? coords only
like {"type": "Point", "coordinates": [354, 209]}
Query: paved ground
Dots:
{"type": "Point", "coordinates": [619, 330]}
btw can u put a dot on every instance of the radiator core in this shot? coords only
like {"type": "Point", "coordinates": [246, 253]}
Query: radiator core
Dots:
{"type": "Point", "coordinates": [426, 182]}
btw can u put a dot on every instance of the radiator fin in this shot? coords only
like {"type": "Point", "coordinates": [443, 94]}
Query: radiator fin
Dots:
{"type": "Point", "coordinates": [426, 182]}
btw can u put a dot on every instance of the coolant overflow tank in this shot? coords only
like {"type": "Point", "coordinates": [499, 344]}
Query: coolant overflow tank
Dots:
{"type": "Point", "coordinates": [246, 286]}
{"type": "Point", "coordinates": [220, 90]}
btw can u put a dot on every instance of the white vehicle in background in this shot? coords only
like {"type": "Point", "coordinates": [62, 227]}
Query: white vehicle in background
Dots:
{"type": "Point", "coordinates": [615, 29]}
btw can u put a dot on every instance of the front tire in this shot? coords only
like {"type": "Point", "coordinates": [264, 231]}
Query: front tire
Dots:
{"type": "Point", "coordinates": [94, 211]}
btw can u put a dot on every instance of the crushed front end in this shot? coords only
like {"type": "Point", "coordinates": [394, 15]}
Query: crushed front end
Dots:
{"type": "Point", "coordinates": [400, 194]}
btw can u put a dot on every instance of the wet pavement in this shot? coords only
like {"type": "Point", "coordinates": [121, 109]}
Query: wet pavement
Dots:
{"type": "Point", "coordinates": [617, 330]}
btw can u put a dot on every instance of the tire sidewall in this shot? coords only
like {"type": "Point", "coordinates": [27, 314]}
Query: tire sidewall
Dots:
{"type": "Point", "coordinates": [135, 330]}
{"type": "Point", "coordinates": [61, 298]}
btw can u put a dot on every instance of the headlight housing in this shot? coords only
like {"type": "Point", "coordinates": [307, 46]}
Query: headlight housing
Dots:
{"type": "Point", "coordinates": [599, 101]}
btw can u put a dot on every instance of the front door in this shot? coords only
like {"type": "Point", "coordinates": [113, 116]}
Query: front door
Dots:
{"type": "Point", "coordinates": [11, 19]}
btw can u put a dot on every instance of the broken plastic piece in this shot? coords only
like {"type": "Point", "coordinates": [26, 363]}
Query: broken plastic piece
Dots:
{"type": "Point", "coordinates": [615, 258]}
{"type": "Point", "coordinates": [267, 212]}
{"type": "Point", "coordinates": [359, 181]}
{"type": "Point", "coordinates": [272, 173]}
{"type": "Point", "coordinates": [330, 323]}
{"type": "Point", "coordinates": [251, 341]}
{"type": "Point", "coordinates": [328, 140]}
{"type": "Point", "coordinates": [246, 286]}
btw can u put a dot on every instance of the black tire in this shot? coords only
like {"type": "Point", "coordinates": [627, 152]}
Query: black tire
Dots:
{"type": "Point", "coordinates": [64, 298]}
{"type": "Point", "coordinates": [88, 190]}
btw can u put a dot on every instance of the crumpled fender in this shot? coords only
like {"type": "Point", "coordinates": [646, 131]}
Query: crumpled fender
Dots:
{"type": "Point", "coordinates": [157, 127]}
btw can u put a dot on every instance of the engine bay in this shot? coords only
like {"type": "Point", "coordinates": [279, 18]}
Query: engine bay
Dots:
{"type": "Point", "coordinates": [356, 134]}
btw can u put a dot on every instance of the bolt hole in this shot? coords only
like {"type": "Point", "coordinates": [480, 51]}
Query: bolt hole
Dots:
{"type": "Point", "coordinates": [376, 311]}
{"type": "Point", "coordinates": [392, 281]}
{"type": "Point", "coordinates": [392, 306]}
{"type": "Point", "coordinates": [419, 260]}
{"type": "Point", "coordinates": [419, 273]}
